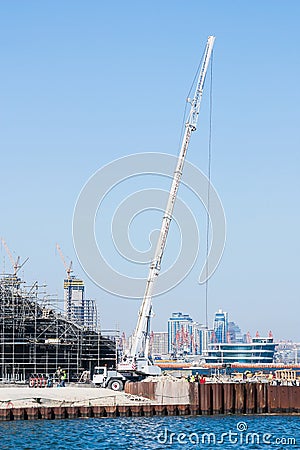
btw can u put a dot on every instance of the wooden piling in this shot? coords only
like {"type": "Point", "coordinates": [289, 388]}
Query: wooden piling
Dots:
{"type": "Point", "coordinates": [184, 410]}
{"type": "Point", "coordinates": [239, 397]}
{"type": "Point", "coordinates": [32, 413]}
{"type": "Point", "coordinates": [18, 414]}
{"type": "Point", "coordinates": [124, 411]}
{"type": "Point", "coordinates": [85, 411]}
{"type": "Point", "coordinates": [205, 399]}
{"type": "Point", "coordinates": [250, 398]}
{"type": "Point", "coordinates": [99, 411]}
{"type": "Point", "coordinates": [229, 397]}
{"type": "Point", "coordinates": [272, 393]}
{"type": "Point", "coordinates": [261, 398]}
{"type": "Point", "coordinates": [72, 412]}
{"type": "Point", "coordinates": [46, 413]}
{"type": "Point", "coordinates": [148, 410]}
{"type": "Point", "coordinates": [136, 410]}
{"type": "Point", "coordinates": [194, 395]}
{"type": "Point", "coordinates": [111, 411]}
{"type": "Point", "coordinates": [217, 398]}
{"type": "Point", "coordinates": [160, 410]}
{"type": "Point", "coordinates": [294, 397]}
{"type": "Point", "coordinates": [172, 410]}
{"type": "Point", "coordinates": [284, 399]}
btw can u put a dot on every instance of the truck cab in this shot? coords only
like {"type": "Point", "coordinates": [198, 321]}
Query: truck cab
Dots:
{"type": "Point", "coordinates": [99, 375]}
{"type": "Point", "coordinates": [103, 377]}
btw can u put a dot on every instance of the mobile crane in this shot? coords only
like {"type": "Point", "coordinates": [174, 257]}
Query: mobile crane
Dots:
{"type": "Point", "coordinates": [137, 363]}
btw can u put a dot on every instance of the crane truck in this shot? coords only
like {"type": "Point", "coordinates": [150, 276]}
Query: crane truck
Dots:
{"type": "Point", "coordinates": [136, 364]}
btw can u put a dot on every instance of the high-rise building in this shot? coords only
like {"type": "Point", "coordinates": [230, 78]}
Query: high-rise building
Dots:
{"type": "Point", "coordinates": [234, 333]}
{"type": "Point", "coordinates": [159, 344]}
{"type": "Point", "coordinates": [186, 337]}
{"type": "Point", "coordinates": [77, 308]}
{"type": "Point", "coordinates": [73, 299]}
{"type": "Point", "coordinates": [180, 330]}
{"type": "Point", "coordinates": [200, 338]}
{"type": "Point", "coordinates": [90, 314]}
{"type": "Point", "coordinates": [221, 326]}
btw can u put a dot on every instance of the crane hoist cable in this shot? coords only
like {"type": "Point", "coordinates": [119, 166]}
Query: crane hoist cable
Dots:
{"type": "Point", "coordinates": [208, 168]}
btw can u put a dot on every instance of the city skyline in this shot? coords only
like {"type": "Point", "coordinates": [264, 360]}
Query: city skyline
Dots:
{"type": "Point", "coordinates": [233, 327]}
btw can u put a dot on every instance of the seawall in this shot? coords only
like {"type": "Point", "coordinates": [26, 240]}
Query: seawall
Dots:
{"type": "Point", "coordinates": [150, 398]}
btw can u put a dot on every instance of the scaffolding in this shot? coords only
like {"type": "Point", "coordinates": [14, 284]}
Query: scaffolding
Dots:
{"type": "Point", "coordinates": [35, 337]}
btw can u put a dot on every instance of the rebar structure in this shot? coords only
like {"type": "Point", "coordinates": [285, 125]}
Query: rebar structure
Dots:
{"type": "Point", "coordinates": [36, 338]}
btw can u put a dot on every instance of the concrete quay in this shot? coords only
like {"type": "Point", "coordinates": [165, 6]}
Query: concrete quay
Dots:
{"type": "Point", "coordinates": [148, 398]}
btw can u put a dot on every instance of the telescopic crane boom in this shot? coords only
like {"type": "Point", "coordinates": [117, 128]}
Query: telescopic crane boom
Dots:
{"type": "Point", "coordinates": [138, 357]}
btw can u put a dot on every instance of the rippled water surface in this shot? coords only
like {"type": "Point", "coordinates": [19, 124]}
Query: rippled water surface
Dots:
{"type": "Point", "coordinates": [240, 432]}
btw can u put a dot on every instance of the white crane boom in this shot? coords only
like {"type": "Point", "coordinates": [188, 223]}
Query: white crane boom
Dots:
{"type": "Point", "coordinates": [138, 357]}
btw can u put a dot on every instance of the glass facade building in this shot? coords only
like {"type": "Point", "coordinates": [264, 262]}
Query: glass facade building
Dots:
{"type": "Point", "coordinates": [73, 299]}
{"type": "Point", "coordinates": [77, 308]}
{"type": "Point", "coordinates": [259, 351]}
{"type": "Point", "coordinates": [160, 343]}
{"type": "Point", "coordinates": [186, 337]}
{"type": "Point", "coordinates": [221, 326]}
{"type": "Point", "coordinates": [180, 328]}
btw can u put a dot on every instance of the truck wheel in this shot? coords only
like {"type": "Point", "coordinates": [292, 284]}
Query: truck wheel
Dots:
{"type": "Point", "coordinates": [115, 385]}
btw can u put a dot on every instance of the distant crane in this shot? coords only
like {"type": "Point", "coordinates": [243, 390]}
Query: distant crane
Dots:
{"type": "Point", "coordinates": [67, 267]}
{"type": "Point", "coordinates": [15, 263]}
{"type": "Point", "coordinates": [248, 337]}
{"type": "Point", "coordinates": [228, 337]}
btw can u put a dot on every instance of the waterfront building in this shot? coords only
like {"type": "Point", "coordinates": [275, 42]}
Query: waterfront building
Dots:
{"type": "Point", "coordinates": [201, 337]}
{"type": "Point", "coordinates": [221, 326]}
{"type": "Point", "coordinates": [287, 352]}
{"type": "Point", "coordinates": [234, 333]}
{"type": "Point", "coordinates": [187, 337]}
{"type": "Point", "coordinates": [259, 351]}
{"type": "Point", "coordinates": [180, 328]}
{"type": "Point", "coordinates": [159, 343]}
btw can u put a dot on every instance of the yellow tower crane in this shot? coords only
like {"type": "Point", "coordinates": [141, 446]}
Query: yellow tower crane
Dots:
{"type": "Point", "coordinates": [68, 268]}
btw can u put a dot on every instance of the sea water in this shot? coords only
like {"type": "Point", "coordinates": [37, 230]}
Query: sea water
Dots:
{"type": "Point", "coordinates": [224, 432]}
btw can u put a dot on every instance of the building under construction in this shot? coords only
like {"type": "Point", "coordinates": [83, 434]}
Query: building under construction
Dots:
{"type": "Point", "coordinates": [36, 338]}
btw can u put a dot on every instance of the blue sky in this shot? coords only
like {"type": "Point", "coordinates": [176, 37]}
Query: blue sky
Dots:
{"type": "Point", "coordinates": [83, 83]}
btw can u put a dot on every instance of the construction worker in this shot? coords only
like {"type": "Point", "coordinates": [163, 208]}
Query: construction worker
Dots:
{"type": "Point", "coordinates": [63, 379]}
{"type": "Point", "coordinates": [49, 381]}
{"type": "Point", "coordinates": [58, 375]}
{"type": "Point", "coordinates": [202, 380]}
